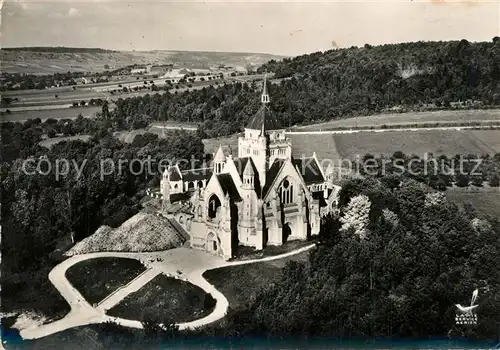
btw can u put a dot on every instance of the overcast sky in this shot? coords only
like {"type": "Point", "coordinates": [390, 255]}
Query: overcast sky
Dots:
{"type": "Point", "coordinates": [280, 27]}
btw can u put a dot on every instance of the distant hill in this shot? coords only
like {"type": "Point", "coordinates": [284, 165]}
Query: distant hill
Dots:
{"type": "Point", "coordinates": [56, 49]}
{"type": "Point", "coordinates": [45, 60]}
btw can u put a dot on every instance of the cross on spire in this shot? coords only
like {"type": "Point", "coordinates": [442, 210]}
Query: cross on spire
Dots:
{"type": "Point", "coordinates": [265, 97]}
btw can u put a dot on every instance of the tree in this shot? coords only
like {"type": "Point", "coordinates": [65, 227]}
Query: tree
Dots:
{"type": "Point", "coordinates": [462, 180]}
{"type": "Point", "coordinates": [357, 216]}
{"type": "Point", "coordinates": [494, 180]}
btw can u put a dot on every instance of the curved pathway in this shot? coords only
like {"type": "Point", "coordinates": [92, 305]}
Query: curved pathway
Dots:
{"type": "Point", "coordinates": [192, 263]}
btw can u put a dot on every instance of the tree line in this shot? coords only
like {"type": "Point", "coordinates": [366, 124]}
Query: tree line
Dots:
{"type": "Point", "coordinates": [341, 83]}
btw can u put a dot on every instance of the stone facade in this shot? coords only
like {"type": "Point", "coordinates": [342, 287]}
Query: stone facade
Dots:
{"type": "Point", "coordinates": [262, 197]}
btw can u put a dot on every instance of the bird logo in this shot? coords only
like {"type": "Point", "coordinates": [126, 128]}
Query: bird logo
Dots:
{"type": "Point", "coordinates": [468, 309]}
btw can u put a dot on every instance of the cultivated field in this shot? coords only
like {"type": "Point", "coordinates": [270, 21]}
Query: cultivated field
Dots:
{"type": "Point", "coordinates": [60, 113]}
{"type": "Point", "coordinates": [489, 137]}
{"type": "Point", "coordinates": [486, 201]}
{"type": "Point", "coordinates": [61, 62]}
{"type": "Point", "coordinates": [349, 145]}
{"type": "Point", "coordinates": [448, 142]}
{"type": "Point", "coordinates": [448, 116]}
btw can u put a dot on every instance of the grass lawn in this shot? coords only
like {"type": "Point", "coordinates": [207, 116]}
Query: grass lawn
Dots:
{"type": "Point", "coordinates": [97, 278]}
{"type": "Point", "coordinates": [240, 283]}
{"type": "Point", "coordinates": [164, 299]}
{"type": "Point", "coordinates": [486, 200]}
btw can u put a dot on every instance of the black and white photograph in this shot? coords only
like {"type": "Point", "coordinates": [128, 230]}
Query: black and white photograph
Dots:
{"type": "Point", "coordinates": [286, 174]}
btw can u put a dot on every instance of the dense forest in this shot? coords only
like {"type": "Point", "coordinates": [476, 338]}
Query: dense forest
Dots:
{"type": "Point", "coordinates": [41, 212]}
{"type": "Point", "coordinates": [341, 83]}
{"type": "Point", "coordinates": [439, 172]}
{"type": "Point", "coordinates": [392, 266]}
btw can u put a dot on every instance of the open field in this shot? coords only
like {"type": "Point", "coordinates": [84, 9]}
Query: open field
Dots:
{"type": "Point", "coordinates": [448, 142]}
{"type": "Point", "coordinates": [240, 283]}
{"type": "Point", "coordinates": [52, 141]}
{"type": "Point", "coordinates": [60, 62]}
{"type": "Point", "coordinates": [490, 137]}
{"type": "Point", "coordinates": [340, 146]}
{"type": "Point", "coordinates": [96, 278]}
{"type": "Point", "coordinates": [60, 113]}
{"type": "Point", "coordinates": [164, 299]}
{"type": "Point", "coordinates": [448, 116]}
{"type": "Point", "coordinates": [56, 98]}
{"type": "Point", "coordinates": [485, 200]}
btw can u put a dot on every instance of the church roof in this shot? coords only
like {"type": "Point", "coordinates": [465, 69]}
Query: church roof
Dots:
{"type": "Point", "coordinates": [319, 196]}
{"type": "Point", "coordinates": [272, 173]}
{"type": "Point", "coordinates": [309, 168]}
{"type": "Point", "coordinates": [219, 156]}
{"type": "Point", "coordinates": [265, 117]}
{"type": "Point", "coordinates": [174, 174]}
{"type": "Point", "coordinates": [241, 164]}
{"type": "Point", "coordinates": [197, 174]}
{"type": "Point", "coordinates": [228, 186]}
{"type": "Point", "coordinates": [249, 171]}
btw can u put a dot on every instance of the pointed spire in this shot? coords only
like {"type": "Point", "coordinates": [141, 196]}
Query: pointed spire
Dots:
{"type": "Point", "coordinates": [265, 96]}
{"type": "Point", "coordinates": [248, 171]}
{"type": "Point", "coordinates": [219, 156]}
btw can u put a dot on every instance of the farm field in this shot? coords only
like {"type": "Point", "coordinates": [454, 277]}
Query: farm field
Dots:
{"type": "Point", "coordinates": [60, 113]}
{"type": "Point", "coordinates": [485, 200]}
{"type": "Point", "coordinates": [448, 142]}
{"type": "Point", "coordinates": [448, 116]}
{"type": "Point", "coordinates": [336, 147]}
{"type": "Point", "coordinates": [490, 137]}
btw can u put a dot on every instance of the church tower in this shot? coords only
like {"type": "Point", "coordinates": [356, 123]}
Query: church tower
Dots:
{"type": "Point", "coordinates": [255, 143]}
{"type": "Point", "coordinates": [219, 161]}
{"type": "Point", "coordinates": [248, 208]}
{"type": "Point", "coordinates": [165, 190]}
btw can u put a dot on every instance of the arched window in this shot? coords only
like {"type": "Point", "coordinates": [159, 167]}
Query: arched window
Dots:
{"type": "Point", "coordinates": [213, 204]}
{"type": "Point", "coordinates": [286, 192]}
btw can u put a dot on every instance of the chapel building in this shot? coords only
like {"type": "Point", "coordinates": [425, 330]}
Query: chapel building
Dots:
{"type": "Point", "coordinates": [262, 197]}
